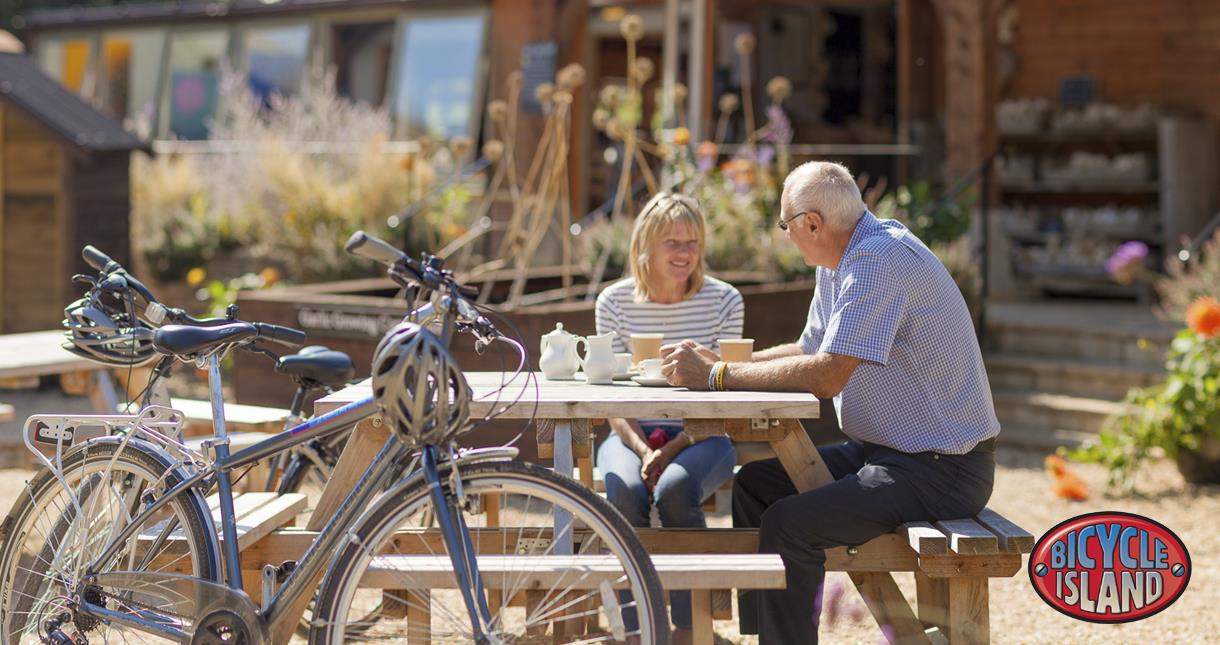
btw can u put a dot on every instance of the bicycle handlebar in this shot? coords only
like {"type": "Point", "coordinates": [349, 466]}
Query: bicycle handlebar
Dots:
{"type": "Point", "coordinates": [294, 338]}
{"type": "Point", "coordinates": [427, 273]}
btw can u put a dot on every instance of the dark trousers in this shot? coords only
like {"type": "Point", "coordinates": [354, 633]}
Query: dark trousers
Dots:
{"type": "Point", "coordinates": [875, 489]}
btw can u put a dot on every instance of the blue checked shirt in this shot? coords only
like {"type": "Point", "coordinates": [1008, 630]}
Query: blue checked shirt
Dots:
{"type": "Point", "coordinates": [921, 384]}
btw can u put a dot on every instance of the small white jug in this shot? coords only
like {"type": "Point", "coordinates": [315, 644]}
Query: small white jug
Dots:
{"type": "Point", "coordinates": [559, 359]}
{"type": "Point", "coordinates": [599, 359]}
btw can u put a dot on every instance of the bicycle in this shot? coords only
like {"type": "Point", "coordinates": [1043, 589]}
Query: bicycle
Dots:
{"type": "Point", "coordinates": [145, 560]}
{"type": "Point", "coordinates": [314, 369]}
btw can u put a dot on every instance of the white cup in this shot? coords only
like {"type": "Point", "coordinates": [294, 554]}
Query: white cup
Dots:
{"type": "Point", "coordinates": [622, 362]}
{"type": "Point", "coordinates": [651, 367]}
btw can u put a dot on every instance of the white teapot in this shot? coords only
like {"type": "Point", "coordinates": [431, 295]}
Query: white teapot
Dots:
{"type": "Point", "coordinates": [599, 360]}
{"type": "Point", "coordinates": [559, 359]}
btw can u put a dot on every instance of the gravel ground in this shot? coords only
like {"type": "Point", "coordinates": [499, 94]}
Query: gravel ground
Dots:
{"type": "Point", "coordinates": [1018, 615]}
{"type": "Point", "coordinates": [1022, 494]}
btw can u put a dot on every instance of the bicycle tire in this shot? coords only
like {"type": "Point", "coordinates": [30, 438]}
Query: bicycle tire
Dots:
{"type": "Point", "coordinates": [44, 503]}
{"type": "Point", "coordinates": [378, 531]}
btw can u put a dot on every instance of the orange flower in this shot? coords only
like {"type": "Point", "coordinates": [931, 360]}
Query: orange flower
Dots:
{"type": "Point", "coordinates": [196, 276]}
{"type": "Point", "coordinates": [1203, 316]}
{"type": "Point", "coordinates": [270, 276]}
{"type": "Point", "coordinates": [681, 137]}
{"type": "Point", "coordinates": [1066, 484]}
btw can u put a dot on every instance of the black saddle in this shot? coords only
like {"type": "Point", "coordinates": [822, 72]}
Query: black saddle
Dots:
{"type": "Point", "coordinates": [317, 363]}
{"type": "Point", "coordinates": [188, 340]}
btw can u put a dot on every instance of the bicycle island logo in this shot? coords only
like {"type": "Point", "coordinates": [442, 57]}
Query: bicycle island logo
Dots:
{"type": "Point", "coordinates": [1109, 567]}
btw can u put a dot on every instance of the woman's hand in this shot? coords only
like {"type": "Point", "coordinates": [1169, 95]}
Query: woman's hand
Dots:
{"type": "Point", "coordinates": [687, 364]}
{"type": "Point", "coordinates": [654, 464]}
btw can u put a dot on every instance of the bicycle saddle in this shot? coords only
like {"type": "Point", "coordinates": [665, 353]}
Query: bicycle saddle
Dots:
{"type": "Point", "coordinates": [316, 363]}
{"type": "Point", "coordinates": [188, 340]}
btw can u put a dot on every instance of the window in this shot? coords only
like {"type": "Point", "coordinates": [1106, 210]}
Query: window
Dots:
{"type": "Point", "coordinates": [67, 60]}
{"type": "Point", "coordinates": [276, 59]}
{"type": "Point", "coordinates": [193, 82]}
{"type": "Point", "coordinates": [361, 55]}
{"type": "Point", "coordinates": [439, 76]}
{"type": "Point", "coordinates": [131, 65]}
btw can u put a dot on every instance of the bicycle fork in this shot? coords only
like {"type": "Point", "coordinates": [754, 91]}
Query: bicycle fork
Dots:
{"type": "Point", "coordinates": [456, 536]}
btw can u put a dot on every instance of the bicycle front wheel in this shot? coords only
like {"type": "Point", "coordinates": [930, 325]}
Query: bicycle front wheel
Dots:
{"type": "Point", "coordinates": [49, 540]}
{"type": "Point", "coordinates": [601, 589]}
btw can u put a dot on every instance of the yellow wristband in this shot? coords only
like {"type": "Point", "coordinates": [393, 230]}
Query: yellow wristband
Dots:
{"type": "Point", "coordinates": [724, 367]}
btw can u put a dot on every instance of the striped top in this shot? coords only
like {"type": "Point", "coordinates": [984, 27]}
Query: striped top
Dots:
{"type": "Point", "coordinates": [717, 311]}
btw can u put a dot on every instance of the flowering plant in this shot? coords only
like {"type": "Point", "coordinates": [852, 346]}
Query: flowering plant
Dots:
{"type": "Point", "coordinates": [1178, 417]}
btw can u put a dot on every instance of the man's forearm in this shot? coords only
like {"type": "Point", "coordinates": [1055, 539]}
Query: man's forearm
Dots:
{"type": "Point", "coordinates": [816, 373]}
{"type": "Point", "coordinates": [779, 351]}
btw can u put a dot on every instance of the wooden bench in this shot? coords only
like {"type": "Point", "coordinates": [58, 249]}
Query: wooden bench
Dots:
{"type": "Point", "coordinates": [694, 572]}
{"type": "Point", "coordinates": [238, 417]}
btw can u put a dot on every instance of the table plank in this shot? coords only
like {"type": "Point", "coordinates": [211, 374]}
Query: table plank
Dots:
{"type": "Point", "coordinates": [39, 353]}
{"type": "Point", "coordinates": [579, 400]}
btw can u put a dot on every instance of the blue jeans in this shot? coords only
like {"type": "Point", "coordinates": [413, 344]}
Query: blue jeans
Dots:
{"type": "Point", "coordinates": [693, 476]}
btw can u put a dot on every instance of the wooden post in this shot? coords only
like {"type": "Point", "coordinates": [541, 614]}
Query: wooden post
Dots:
{"type": "Point", "coordinates": [365, 442]}
{"type": "Point", "coordinates": [888, 606]}
{"type": "Point", "coordinates": [701, 616]}
{"type": "Point", "coordinates": [932, 598]}
{"type": "Point", "coordinates": [800, 458]}
{"type": "Point", "coordinates": [419, 618]}
{"type": "Point", "coordinates": [969, 619]}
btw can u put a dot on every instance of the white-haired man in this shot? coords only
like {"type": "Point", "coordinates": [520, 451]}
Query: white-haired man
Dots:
{"type": "Point", "coordinates": [889, 337]}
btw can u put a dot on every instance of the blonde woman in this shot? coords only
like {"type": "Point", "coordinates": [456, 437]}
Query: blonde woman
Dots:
{"type": "Point", "coordinates": [649, 462]}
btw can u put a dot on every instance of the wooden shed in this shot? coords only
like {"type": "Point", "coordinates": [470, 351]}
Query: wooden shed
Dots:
{"type": "Point", "coordinates": [64, 183]}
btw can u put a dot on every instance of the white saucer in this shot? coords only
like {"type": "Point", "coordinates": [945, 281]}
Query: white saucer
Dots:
{"type": "Point", "coordinates": [648, 381]}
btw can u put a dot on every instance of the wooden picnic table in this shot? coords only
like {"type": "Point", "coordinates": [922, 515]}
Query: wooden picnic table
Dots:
{"type": "Point", "coordinates": [951, 560]}
{"type": "Point", "coordinates": [40, 353]}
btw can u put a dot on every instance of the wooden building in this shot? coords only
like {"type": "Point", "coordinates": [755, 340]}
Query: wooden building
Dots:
{"type": "Point", "coordinates": [63, 184]}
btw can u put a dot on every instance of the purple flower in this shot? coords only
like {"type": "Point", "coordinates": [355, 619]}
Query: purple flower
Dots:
{"type": "Point", "coordinates": [1126, 260]}
{"type": "Point", "coordinates": [765, 155]}
{"type": "Point", "coordinates": [779, 128]}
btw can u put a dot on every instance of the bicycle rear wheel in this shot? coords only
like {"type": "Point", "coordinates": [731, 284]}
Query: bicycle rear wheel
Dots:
{"type": "Point", "coordinates": [536, 593]}
{"type": "Point", "coordinates": [47, 542]}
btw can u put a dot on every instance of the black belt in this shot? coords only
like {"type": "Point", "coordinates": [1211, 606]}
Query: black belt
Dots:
{"type": "Point", "coordinates": [986, 445]}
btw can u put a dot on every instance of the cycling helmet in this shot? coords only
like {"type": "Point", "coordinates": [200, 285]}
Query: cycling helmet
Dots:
{"type": "Point", "coordinates": [419, 386]}
{"type": "Point", "coordinates": [104, 333]}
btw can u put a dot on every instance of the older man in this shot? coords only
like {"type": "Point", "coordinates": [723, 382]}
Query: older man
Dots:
{"type": "Point", "coordinates": [889, 337]}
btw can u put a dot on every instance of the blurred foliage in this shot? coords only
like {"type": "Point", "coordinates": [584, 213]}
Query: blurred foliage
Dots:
{"type": "Point", "coordinates": [1186, 281]}
{"type": "Point", "coordinates": [1173, 417]}
{"type": "Point", "coordinates": [296, 176]}
{"type": "Point", "coordinates": [932, 219]}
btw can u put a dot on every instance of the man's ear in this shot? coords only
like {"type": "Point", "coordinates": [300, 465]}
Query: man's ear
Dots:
{"type": "Point", "coordinates": [814, 220]}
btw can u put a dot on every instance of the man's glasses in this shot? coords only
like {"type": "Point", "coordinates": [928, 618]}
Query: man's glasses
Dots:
{"type": "Point", "coordinates": [783, 223]}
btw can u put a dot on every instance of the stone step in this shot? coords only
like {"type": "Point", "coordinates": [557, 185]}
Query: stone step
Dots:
{"type": "Point", "coordinates": [1073, 377]}
{"type": "Point", "coordinates": [1040, 410]}
{"type": "Point", "coordinates": [1042, 438]}
{"type": "Point", "coordinates": [1116, 333]}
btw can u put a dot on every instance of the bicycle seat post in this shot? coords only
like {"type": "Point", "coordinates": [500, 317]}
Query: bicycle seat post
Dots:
{"type": "Point", "coordinates": [223, 481]}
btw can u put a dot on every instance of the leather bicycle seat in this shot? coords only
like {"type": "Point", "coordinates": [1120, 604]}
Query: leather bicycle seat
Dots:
{"type": "Point", "coordinates": [326, 366]}
{"type": "Point", "coordinates": [188, 340]}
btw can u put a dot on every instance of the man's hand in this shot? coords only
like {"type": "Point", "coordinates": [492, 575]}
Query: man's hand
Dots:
{"type": "Point", "coordinates": [666, 350]}
{"type": "Point", "coordinates": [687, 364]}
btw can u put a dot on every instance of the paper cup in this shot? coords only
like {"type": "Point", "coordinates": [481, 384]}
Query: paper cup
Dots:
{"type": "Point", "coordinates": [645, 346]}
{"type": "Point", "coordinates": [737, 350]}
